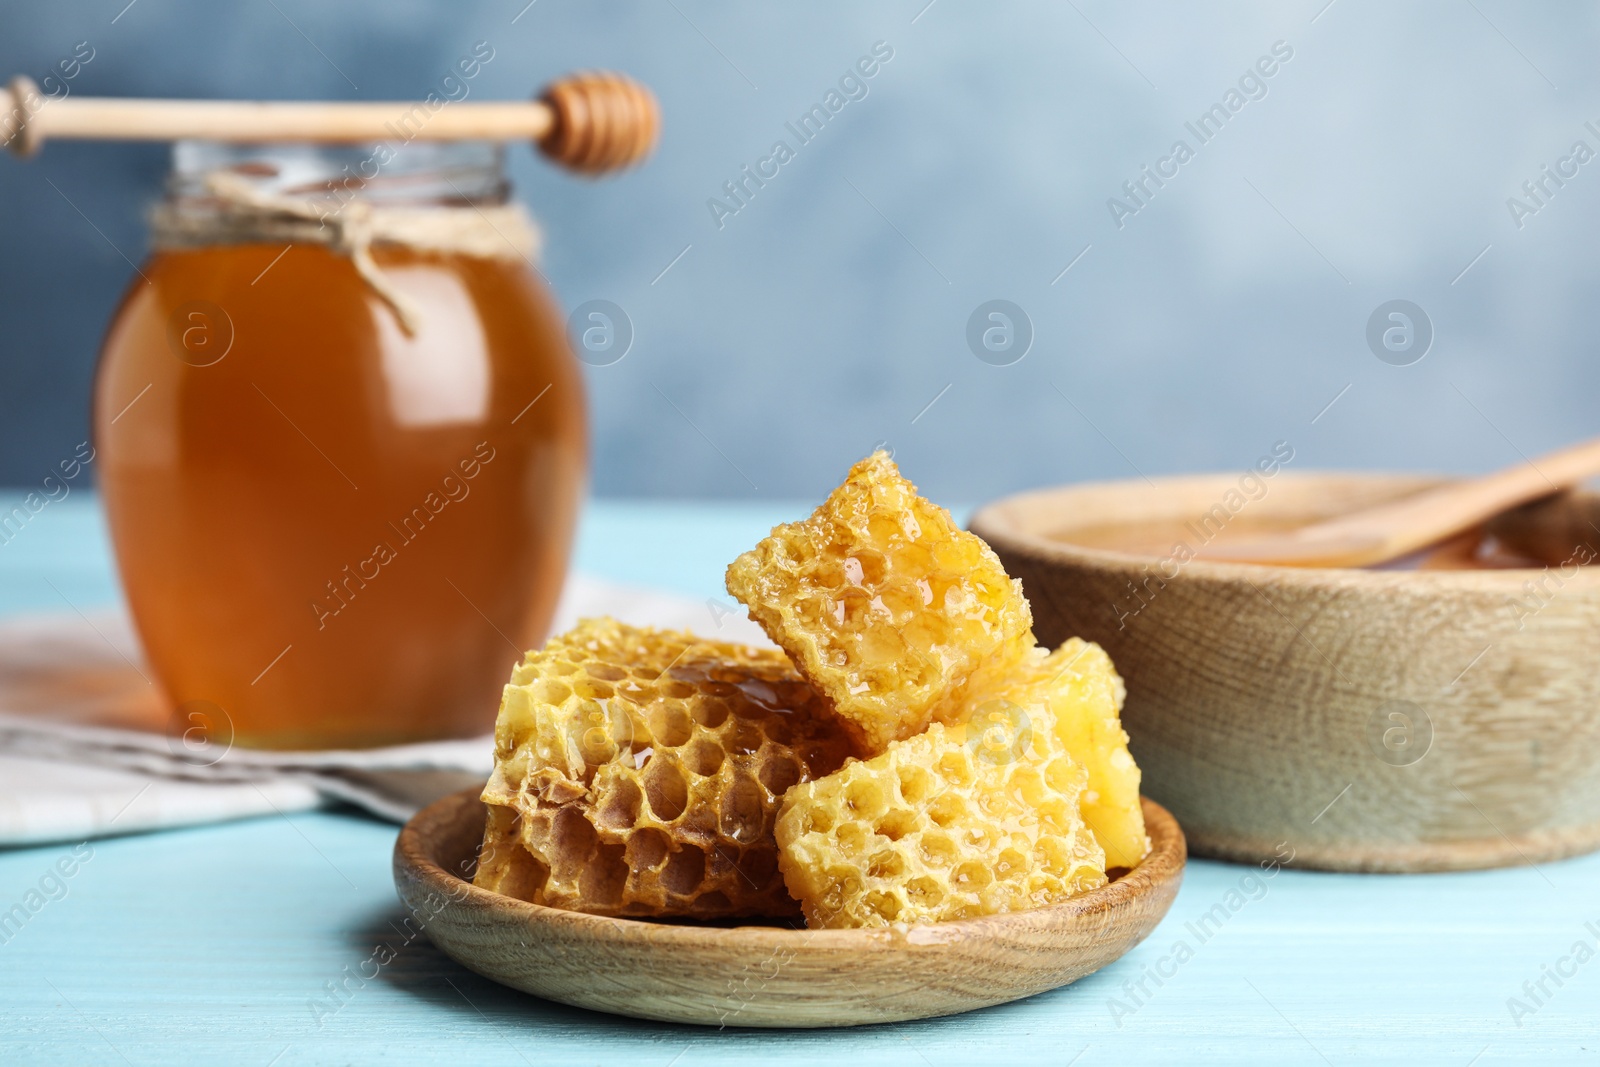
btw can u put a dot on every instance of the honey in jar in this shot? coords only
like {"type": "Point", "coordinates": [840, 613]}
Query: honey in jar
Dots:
{"type": "Point", "coordinates": [342, 442]}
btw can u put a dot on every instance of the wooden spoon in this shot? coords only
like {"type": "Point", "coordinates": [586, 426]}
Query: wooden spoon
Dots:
{"type": "Point", "coordinates": [590, 122]}
{"type": "Point", "coordinates": [1400, 527]}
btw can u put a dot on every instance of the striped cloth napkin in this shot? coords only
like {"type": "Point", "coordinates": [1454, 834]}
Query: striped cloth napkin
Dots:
{"type": "Point", "coordinates": [79, 759]}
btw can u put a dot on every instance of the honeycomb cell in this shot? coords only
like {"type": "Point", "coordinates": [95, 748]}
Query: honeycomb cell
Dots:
{"type": "Point", "coordinates": [948, 810]}
{"type": "Point", "coordinates": [780, 775]}
{"type": "Point", "coordinates": [647, 848]}
{"type": "Point", "coordinates": [657, 799]}
{"type": "Point", "coordinates": [686, 871]}
{"type": "Point", "coordinates": [759, 865]}
{"type": "Point", "coordinates": [980, 837]}
{"type": "Point", "coordinates": [745, 815]}
{"type": "Point", "coordinates": [665, 789]}
{"type": "Point", "coordinates": [884, 604]}
{"type": "Point", "coordinates": [705, 758]}
{"type": "Point", "coordinates": [1071, 702]}
{"type": "Point", "coordinates": [621, 808]}
{"type": "Point", "coordinates": [503, 863]}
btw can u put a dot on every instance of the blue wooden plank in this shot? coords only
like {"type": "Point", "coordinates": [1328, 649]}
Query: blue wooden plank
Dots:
{"type": "Point", "coordinates": [216, 944]}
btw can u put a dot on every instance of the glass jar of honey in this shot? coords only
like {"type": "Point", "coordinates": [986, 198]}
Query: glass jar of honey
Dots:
{"type": "Point", "coordinates": [342, 442]}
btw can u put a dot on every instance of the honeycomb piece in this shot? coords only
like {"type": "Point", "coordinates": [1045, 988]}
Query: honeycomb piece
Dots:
{"type": "Point", "coordinates": [639, 771]}
{"type": "Point", "coordinates": [1069, 701]}
{"type": "Point", "coordinates": [937, 828]}
{"type": "Point", "coordinates": [884, 604]}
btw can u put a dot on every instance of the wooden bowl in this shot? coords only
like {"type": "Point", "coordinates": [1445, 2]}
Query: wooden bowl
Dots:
{"type": "Point", "coordinates": [1367, 720]}
{"type": "Point", "coordinates": [764, 975]}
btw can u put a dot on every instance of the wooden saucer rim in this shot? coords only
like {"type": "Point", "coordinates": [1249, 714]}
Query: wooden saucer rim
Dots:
{"type": "Point", "coordinates": [1166, 860]}
{"type": "Point", "coordinates": [757, 976]}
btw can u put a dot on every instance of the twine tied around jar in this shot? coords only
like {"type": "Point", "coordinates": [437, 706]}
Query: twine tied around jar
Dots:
{"type": "Point", "coordinates": [235, 211]}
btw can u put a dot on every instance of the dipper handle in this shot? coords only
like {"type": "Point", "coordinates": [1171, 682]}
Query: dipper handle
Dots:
{"type": "Point", "coordinates": [589, 122]}
{"type": "Point", "coordinates": [1395, 529]}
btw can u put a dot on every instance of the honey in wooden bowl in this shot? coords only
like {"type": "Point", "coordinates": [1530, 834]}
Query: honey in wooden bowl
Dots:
{"type": "Point", "coordinates": [1438, 717]}
{"type": "Point", "coordinates": [333, 532]}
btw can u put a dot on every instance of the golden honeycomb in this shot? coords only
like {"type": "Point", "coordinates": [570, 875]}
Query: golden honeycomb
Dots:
{"type": "Point", "coordinates": [639, 772]}
{"type": "Point", "coordinates": [1069, 701]}
{"type": "Point", "coordinates": [884, 604]}
{"type": "Point", "coordinates": [937, 828]}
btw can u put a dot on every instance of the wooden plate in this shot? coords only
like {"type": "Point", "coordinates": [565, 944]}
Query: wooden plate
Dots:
{"type": "Point", "coordinates": [763, 975]}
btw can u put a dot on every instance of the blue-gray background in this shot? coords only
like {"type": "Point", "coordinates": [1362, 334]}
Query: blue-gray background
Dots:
{"type": "Point", "coordinates": [827, 314]}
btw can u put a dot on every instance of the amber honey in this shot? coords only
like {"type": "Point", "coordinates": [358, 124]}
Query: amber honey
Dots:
{"type": "Point", "coordinates": [1473, 550]}
{"type": "Point", "coordinates": [335, 533]}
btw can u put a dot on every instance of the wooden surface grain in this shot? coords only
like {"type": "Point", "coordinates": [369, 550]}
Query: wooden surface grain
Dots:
{"type": "Point", "coordinates": [218, 944]}
{"type": "Point", "coordinates": [1372, 719]}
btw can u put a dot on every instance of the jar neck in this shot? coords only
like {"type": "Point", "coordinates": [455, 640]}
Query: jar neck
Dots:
{"type": "Point", "coordinates": [419, 174]}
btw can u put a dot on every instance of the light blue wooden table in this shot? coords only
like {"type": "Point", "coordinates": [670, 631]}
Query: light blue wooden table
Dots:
{"type": "Point", "coordinates": [210, 945]}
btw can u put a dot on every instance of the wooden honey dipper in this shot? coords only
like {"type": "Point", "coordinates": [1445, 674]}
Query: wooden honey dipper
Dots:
{"type": "Point", "coordinates": [1397, 528]}
{"type": "Point", "coordinates": [589, 122]}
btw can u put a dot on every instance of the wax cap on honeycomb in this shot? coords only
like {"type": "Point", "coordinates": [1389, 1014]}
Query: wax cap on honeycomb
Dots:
{"type": "Point", "coordinates": [938, 827]}
{"type": "Point", "coordinates": [1070, 701]}
{"type": "Point", "coordinates": [884, 604]}
{"type": "Point", "coordinates": [639, 772]}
